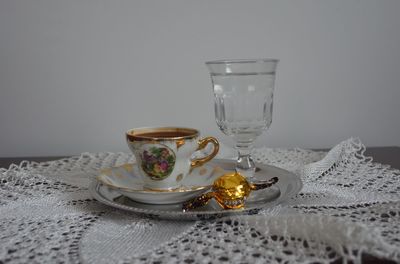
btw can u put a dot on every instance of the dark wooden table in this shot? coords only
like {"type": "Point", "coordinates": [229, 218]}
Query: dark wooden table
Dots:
{"type": "Point", "coordinates": [384, 155]}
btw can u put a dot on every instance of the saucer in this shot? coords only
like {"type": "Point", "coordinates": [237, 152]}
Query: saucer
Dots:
{"type": "Point", "coordinates": [126, 180]}
{"type": "Point", "coordinates": [288, 186]}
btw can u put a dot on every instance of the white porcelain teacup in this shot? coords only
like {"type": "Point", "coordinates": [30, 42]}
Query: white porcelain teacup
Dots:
{"type": "Point", "coordinates": [164, 154]}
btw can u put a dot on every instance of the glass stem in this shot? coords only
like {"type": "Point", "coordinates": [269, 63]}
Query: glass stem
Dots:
{"type": "Point", "coordinates": [245, 164]}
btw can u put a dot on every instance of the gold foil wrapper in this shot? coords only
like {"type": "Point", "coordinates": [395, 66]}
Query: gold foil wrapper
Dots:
{"type": "Point", "coordinates": [230, 191]}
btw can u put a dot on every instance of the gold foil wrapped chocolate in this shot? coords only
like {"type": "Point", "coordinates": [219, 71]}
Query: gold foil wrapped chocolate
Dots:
{"type": "Point", "coordinates": [230, 191]}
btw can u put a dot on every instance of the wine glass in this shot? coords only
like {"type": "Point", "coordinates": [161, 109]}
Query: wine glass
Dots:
{"type": "Point", "coordinates": [243, 96]}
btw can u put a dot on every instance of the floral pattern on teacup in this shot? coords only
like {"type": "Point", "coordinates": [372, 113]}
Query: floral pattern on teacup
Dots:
{"type": "Point", "coordinates": [158, 162]}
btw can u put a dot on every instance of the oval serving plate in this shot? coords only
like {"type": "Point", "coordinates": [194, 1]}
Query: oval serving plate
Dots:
{"type": "Point", "coordinates": [288, 185]}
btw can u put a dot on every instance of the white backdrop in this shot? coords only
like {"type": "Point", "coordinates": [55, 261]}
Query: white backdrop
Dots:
{"type": "Point", "coordinates": [74, 75]}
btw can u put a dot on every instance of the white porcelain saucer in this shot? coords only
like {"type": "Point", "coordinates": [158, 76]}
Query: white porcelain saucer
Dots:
{"type": "Point", "coordinates": [288, 186]}
{"type": "Point", "coordinates": [126, 180]}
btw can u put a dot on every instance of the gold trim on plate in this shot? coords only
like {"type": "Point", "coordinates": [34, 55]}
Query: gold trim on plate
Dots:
{"type": "Point", "coordinates": [108, 183]}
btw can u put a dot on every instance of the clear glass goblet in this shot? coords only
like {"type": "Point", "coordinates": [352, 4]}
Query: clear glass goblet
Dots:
{"type": "Point", "coordinates": [243, 96]}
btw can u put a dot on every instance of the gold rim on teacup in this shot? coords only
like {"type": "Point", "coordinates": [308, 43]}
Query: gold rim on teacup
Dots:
{"type": "Point", "coordinates": [142, 134]}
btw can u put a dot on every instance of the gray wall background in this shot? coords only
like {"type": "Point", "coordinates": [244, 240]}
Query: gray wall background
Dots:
{"type": "Point", "coordinates": [74, 75]}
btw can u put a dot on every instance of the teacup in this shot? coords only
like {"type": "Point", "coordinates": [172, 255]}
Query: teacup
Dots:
{"type": "Point", "coordinates": [164, 154]}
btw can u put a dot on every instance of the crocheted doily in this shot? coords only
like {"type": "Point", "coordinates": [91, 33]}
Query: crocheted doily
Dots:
{"type": "Point", "coordinates": [349, 207]}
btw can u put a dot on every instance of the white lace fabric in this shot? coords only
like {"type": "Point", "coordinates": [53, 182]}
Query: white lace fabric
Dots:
{"type": "Point", "coordinates": [349, 206]}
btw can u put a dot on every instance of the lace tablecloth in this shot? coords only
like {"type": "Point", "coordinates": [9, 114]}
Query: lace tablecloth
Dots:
{"type": "Point", "coordinates": [349, 206]}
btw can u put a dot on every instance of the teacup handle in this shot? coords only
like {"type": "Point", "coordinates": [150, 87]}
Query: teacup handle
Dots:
{"type": "Point", "coordinates": [202, 144]}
